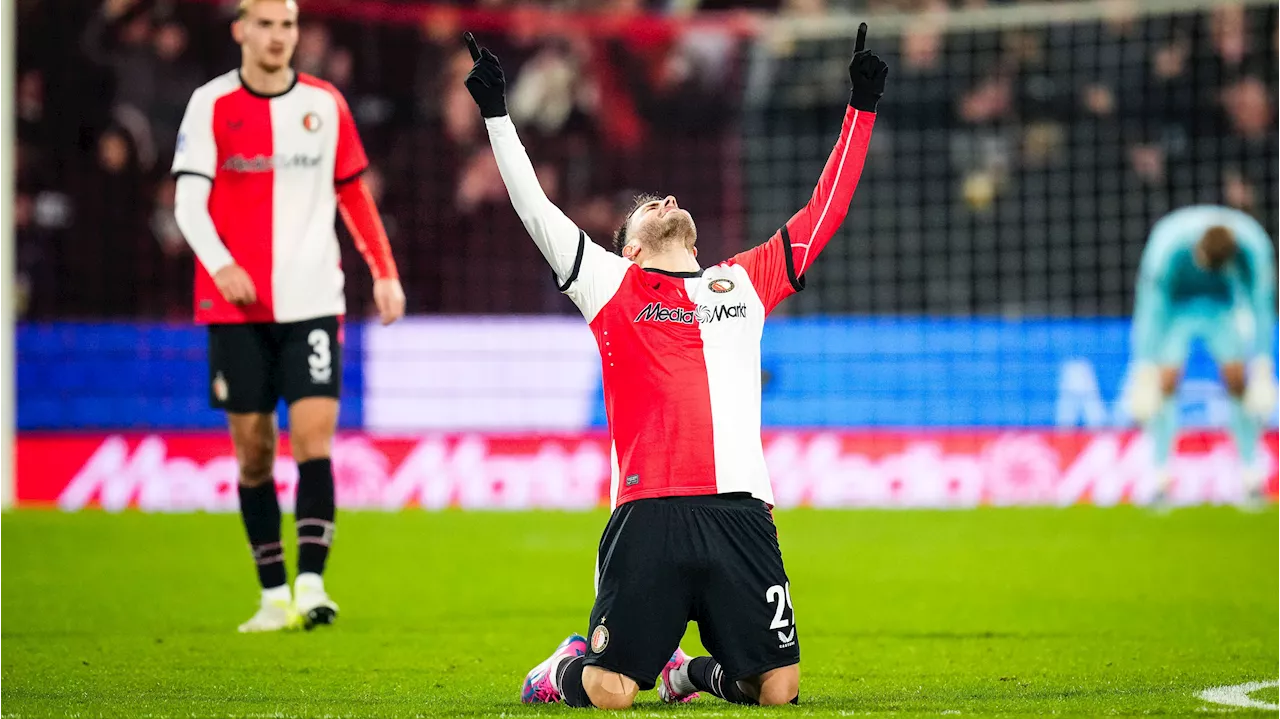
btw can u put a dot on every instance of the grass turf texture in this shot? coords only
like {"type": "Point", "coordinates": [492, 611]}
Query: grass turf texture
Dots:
{"type": "Point", "coordinates": [1076, 612]}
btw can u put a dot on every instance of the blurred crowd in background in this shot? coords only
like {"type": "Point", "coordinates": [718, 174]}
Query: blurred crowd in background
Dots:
{"type": "Point", "coordinates": [1014, 170]}
{"type": "Point", "coordinates": [1017, 171]}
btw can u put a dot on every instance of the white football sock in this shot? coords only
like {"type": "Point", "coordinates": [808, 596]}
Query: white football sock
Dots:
{"type": "Point", "coordinates": [309, 581]}
{"type": "Point", "coordinates": [680, 683]}
{"type": "Point", "coordinates": [277, 594]}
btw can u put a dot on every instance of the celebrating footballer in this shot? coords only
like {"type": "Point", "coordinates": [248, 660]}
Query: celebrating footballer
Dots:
{"type": "Point", "coordinates": [691, 537]}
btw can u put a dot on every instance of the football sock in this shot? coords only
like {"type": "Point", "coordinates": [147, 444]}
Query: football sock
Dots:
{"type": "Point", "coordinates": [278, 594]}
{"type": "Point", "coordinates": [314, 512]}
{"type": "Point", "coordinates": [1163, 428]}
{"type": "Point", "coordinates": [260, 510]}
{"type": "Point", "coordinates": [680, 681]}
{"type": "Point", "coordinates": [568, 677]}
{"type": "Point", "coordinates": [1244, 432]}
{"type": "Point", "coordinates": [706, 675]}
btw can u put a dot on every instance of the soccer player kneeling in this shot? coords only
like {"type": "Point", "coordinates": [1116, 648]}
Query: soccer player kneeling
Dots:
{"type": "Point", "coordinates": [1206, 274]}
{"type": "Point", "coordinates": [692, 534]}
{"type": "Point", "coordinates": [265, 157]}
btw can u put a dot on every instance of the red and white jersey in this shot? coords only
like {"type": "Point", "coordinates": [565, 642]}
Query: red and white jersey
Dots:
{"type": "Point", "coordinates": [680, 352]}
{"type": "Point", "coordinates": [274, 163]}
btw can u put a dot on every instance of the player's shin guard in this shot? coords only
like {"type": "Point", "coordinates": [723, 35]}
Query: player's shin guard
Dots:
{"type": "Point", "coordinates": [260, 511]}
{"type": "Point", "coordinates": [706, 675]}
{"type": "Point", "coordinates": [1245, 432]}
{"type": "Point", "coordinates": [315, 512]}
{"type": "Point", "coordinates": [569, 680]}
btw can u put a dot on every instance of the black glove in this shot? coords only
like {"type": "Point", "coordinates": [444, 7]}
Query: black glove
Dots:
{"type": "Point", "coordinates": [485, 81]}
{"type": "Point", "coordinates": [867, 72]}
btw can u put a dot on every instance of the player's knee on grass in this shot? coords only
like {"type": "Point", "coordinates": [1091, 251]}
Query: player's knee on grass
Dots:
{"type": "Point", "coordinates": [779, 686]}
{"type": "Point", "coordinates": [1169, 379]}
{"type": "Point", "coordinates": [254, 438]}
{"type": "Point", "coordinates": [1233, 376]}
{"type": "Point", "coordinates": [609, 690]}
{"type": "Point", "coordinates": [312, 423]}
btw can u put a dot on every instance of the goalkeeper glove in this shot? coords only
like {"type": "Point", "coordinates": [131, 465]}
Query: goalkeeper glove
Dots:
{"type": "Point", "coordinates": [867, 72]}
{"type": "Point", "coordinates": [1260, 389]}
{"type": "Point", "coordinates": [1143, 395]}
{"type": "Point", "coordinates": [485, 81]}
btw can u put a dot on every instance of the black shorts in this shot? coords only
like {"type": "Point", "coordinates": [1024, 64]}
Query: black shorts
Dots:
{"type": "Point", "coordinates": [713, 560]}
{"type": "Point", "coordinates": [253, 366]}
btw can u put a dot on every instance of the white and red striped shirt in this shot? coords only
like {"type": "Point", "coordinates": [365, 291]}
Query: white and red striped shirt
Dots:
{"type": "Point", "coordinates": [274, 163]}
{"type": "Point", "coordinates": [680, 352]}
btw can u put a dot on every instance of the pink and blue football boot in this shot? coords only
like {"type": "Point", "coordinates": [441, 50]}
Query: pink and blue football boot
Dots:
{"type": "Point", "coordinates": [538, 686]}
{"type": "Point", "coordinates": [665, 692]}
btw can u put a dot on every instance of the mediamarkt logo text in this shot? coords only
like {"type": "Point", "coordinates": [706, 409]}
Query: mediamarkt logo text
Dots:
{"type": "Point", "coordinates": [267, 163]}
{"type": "Point", "coordinates": [184, 472]}
{"type": "Point", "coordinates": [703, 314]}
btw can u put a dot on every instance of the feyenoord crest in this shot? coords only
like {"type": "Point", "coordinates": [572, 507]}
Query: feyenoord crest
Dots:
{"type": "Point", "coordinates": [599, 639]}
{"type": "Point", "coordinates": [220, 387]}
{"type": "Point", "coordinates": [311, 121]}
{"type": "Point", "coordinates": [721, 286]}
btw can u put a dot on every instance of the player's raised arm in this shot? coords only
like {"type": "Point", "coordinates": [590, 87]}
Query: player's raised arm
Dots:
{"type": "Point", "coordinates": [554, 233]}
{"type": "Point", "coordinates": [778, 266]}
{"type": "Point", "coordinates": [813, 226]}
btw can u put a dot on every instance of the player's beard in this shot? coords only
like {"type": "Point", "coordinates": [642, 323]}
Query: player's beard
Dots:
{"type": "Point", "coordinates": [271, 67]}
{"type": "Point", "coordinates": [675, 229]}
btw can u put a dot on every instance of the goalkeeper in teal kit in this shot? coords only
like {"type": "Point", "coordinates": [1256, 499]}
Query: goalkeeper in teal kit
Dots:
{"type": "Point", "coordinates": [1206, 274]}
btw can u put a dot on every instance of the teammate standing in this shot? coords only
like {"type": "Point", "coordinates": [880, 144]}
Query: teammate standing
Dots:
{"type": "Point", "coordinates": [265, 156]}
{"type": "Point", "coordinates": [692, 534]}
{"type": "Point", "coordinates": [1206, 273]}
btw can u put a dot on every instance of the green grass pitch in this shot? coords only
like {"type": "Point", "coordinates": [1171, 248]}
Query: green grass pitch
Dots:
{"type": "Point", "coordinates": [990, 612]}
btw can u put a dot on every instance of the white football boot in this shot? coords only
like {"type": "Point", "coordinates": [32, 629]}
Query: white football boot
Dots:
{"type": "Point", "coordinates": [1253, 495]}
{"type": "Point", "coordinates": [275, 614]}
{"type": "Point", "coordinates": [1162, 501]}
{"type": "Point", "coordinates": [313, 605]}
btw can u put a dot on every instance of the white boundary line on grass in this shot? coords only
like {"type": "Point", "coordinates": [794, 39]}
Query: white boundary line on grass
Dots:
{"type": "Point", "coordinates": [1237, 695]}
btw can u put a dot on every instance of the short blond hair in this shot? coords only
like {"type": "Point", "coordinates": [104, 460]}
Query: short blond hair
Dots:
{"type": "Point", "coordinates": [243, 7]}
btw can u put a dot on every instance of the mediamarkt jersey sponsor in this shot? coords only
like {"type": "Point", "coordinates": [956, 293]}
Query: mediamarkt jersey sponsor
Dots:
{"type": "Point", "coordinates": [681, 351]}
{"type": "Point", "coordinates": [274, 162]}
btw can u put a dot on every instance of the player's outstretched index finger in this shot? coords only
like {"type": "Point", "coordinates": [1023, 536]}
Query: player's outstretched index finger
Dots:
{"type": "Point", "coordinates": [861, 42]}
{"type": "Point", "coordinates": [472, 46]}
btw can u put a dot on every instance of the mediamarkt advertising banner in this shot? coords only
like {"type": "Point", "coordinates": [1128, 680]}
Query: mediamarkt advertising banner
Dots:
{"type": "Point", "coordinates": [197, 472]}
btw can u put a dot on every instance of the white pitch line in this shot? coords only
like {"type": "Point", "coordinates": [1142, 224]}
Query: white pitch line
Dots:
{"type": "Point", "coordinates": [1238, 695]}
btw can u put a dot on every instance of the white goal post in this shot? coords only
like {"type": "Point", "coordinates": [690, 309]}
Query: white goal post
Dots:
{"type": "Point", "coordinates": [8, 75]}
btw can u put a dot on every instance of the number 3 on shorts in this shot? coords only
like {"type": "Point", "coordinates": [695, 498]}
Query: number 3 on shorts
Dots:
{"type": "Point", "coordinates": [320, 360]}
